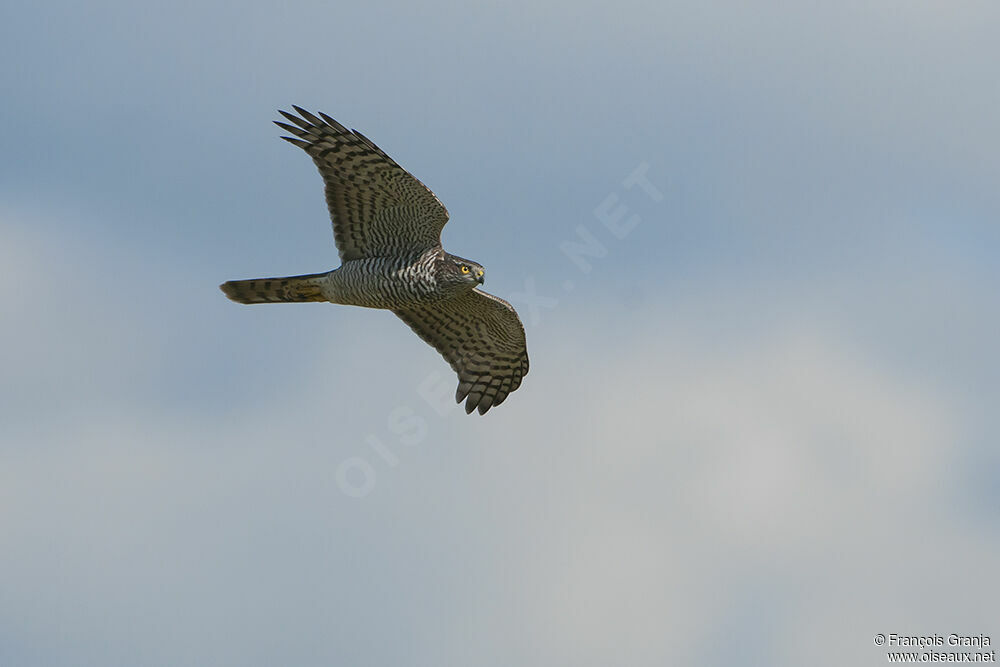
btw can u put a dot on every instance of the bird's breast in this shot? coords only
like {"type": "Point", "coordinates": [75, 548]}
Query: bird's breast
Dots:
{"type": "Point", "coordinates": [384, 283]}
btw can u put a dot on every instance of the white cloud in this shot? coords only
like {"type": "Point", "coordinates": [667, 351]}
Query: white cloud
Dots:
{"type": "Point", "coordinates": [798, 465]}
{"type": "Point", "coordinates": [613, 520]}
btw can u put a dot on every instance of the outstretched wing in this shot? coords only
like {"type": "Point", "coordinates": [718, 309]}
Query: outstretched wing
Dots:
{"type": "Point", "coordinates": [482, 338]}
{"type": "Point", "coordinates": [378, 208]}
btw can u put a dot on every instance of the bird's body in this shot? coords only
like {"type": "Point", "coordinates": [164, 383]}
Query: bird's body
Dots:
{"type": "Point", "coordinates": [387, 282]}
{"type": "Point", "coordinates": [373, 282]}
{"type": "Point", "coordinates": [387, 227]}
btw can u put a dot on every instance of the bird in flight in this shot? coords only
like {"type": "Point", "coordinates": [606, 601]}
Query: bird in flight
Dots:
{"type": "Point", "coordinates": [387, 227]}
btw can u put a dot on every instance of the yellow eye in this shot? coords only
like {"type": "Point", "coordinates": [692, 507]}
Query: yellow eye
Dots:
{"type": "Point", "coordinates": [465, 269]}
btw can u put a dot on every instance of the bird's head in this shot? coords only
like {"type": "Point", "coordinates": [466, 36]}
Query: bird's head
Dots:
{"type": "Point", "coordinates": [464, 271]}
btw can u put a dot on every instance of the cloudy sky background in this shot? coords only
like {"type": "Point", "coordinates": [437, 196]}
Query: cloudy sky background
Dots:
{"type": "Point", "coordinates": [759, 430]}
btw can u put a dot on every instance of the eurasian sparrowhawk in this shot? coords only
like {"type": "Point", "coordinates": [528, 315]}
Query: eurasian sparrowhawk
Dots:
{"type": "Point", "coordinates": [387, 227]}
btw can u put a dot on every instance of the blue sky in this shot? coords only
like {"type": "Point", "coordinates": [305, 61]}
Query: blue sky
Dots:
{"type": "Point", "coordinates": [760, 429]}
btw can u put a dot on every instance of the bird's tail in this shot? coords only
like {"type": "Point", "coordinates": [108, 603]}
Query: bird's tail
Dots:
{"type": "Point", "coordinates": [275, 290]}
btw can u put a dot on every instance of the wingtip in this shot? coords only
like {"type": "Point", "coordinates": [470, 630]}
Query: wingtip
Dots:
{"type": "Point", "coordinates": [308, 115]}
{"type": "Point", "coordinates": [304, 145]}
{"type": "Point", "coordinates": [291, 129]}
{"type": "Point", "coordinates": [332, 123]}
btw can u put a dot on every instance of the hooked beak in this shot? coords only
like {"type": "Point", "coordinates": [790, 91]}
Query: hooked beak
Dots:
{"type": "Point", "coordinates": [480, 278]}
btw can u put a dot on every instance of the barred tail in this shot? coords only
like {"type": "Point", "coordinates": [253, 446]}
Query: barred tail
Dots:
{"type": "Point", "coordinates": [273, 290]}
